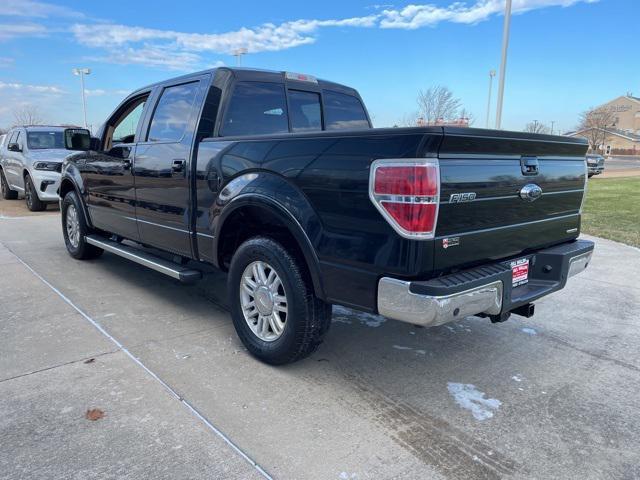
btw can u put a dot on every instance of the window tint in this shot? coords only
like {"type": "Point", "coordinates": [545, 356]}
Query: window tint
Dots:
{"type": "Point", "coordinates": [126, 128]}
{"type": "Point", "coordinates": [256, 108]}
{"type": "Point", "coordinates": [343, 112]}
{"type": "Point", "coordinates": [304, 109]}
{"type": "Point", "coordinates": [14, 136]}
{"type": "Point", "coordinates": [173, 113]}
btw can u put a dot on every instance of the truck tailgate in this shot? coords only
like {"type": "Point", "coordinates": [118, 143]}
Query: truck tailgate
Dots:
{"type": "Point", "coordinates": [484, 176]}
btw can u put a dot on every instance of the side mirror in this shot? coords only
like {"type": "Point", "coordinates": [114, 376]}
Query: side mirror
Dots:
{"type": "Point", "coordinates": [14, 147]}
{"type": "Point", "coordinates": [77, 139]}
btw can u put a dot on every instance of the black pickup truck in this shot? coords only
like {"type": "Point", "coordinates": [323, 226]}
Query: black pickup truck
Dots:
{"type": "Point", "coordinates": [279, 179]}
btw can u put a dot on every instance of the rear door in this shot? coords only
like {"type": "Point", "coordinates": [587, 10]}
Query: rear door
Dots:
{"type": "Point", "coordinates": [161, 166]}
{"type": "Point", "coordinates": [504, 193]}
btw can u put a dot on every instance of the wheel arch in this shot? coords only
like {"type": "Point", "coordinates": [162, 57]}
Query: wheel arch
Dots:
{"type": "Point", "coordinates": [250, 215]}
{"type": "Point", "coordinates": [67, 185]}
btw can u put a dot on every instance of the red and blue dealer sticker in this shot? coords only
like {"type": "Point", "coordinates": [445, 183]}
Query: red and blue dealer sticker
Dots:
{"type": "Point", "coordinates": [519, 271]}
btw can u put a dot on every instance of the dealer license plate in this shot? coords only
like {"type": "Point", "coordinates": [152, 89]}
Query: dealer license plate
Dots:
{"type": "Point", "coordinates": [520, 271]}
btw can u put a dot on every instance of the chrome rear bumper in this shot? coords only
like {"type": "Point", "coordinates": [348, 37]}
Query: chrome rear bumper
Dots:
{"type": "Point", "coordinates": [396, 301]}
{"type": "Point", "coordinates": [488, 290]}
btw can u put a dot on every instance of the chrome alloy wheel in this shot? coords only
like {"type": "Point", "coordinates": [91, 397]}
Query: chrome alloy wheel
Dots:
{"type": "Point", "coordinates": [263, 301]}
{"type": "Point", "coordinates": [73, 226]}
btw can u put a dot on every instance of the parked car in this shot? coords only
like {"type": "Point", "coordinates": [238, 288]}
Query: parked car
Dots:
{"type": "Point", "coordinates": [280, 180]}
{"type": "Point", "coordinates": [595, 164]}
{"type": "Point", "coordinates": [31, 161]}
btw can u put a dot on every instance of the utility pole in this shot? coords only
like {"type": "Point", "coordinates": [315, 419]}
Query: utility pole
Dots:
{"type": "Point", "coordinates": [503, 62]}
{"type": "Point", "coordinates": [553, 122]}
{"type": "Point", "coordinates": [81, 72]}
{"type": "Point", "coordinates": [238, 52]}
{"type": "Point", "coordinates": [492, 73]}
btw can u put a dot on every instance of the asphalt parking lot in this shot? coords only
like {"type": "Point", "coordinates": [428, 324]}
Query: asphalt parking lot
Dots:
{"type": "Point", "coordinates": [553, 396]}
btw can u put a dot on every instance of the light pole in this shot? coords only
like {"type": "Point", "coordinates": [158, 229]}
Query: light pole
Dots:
{"type": "Point", "coordinates": [81, 72]}
{"type": "Point", "coordinates": [553, 122]}
{"type": "Point", "coordinates": [492, 73]}
{"type": "Point", "coordinates": [238, 52]}
{"type": "Point", "coordinates": [503, 62]}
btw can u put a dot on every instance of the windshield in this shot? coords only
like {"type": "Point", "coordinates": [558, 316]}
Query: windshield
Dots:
{"type": "Point", "coordinates": [45, 139]}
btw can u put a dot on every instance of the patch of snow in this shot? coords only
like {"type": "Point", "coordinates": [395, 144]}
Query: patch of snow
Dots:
{"type": "Point", "coordinates": [470, 398]}
{"type": "Point", "coordinates": [106, 315]}
{"type": "Point", "coordinates": [342, 314]}
{"type": "Point", "coordinates": [529, 331]}
{"type": "Point", "coordinates": [401, 347]}
{"type": "Point", "coordinates": [516, 378]}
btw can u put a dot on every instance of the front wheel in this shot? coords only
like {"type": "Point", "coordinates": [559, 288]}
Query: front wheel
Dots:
{"type": "Point", "coordinates": [274, 309]}
{"type": "Point", "coordinates": [75, 229]}
{"type": "Point", "coordinates": [31, 196]}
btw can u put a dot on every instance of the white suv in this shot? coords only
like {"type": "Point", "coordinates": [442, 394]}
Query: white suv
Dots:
{"type": "Point", "coordinates": [31, 161]}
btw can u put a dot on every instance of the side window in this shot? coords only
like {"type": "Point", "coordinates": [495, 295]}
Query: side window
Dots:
{"type": "Point", "coordinates": [14, 136]}
{"type": "Point", "coordinates": [256, 109]}
{"type": "Point", "coordinates": [127, 125]}
{"type": "Point", "coordinates": [343, 112]}
{"type": "Point", "coordinates": [173, 113]}
{"type": "Point", "coordinates": [305, 112]}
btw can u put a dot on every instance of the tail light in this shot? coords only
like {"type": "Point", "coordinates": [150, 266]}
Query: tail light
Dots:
{"type": "Point", "coordinates": [407, 193]}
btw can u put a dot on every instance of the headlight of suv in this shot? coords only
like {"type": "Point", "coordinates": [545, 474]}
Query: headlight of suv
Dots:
{"type": "Point", "coordinates": [50, 166]}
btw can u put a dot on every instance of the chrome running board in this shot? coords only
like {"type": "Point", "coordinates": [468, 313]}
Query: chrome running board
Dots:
{"type": "Point", "coordinates": [174, 270]}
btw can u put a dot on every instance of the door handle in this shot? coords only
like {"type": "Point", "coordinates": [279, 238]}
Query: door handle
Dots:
{"type": "Point", "coordinates": [178, 165]}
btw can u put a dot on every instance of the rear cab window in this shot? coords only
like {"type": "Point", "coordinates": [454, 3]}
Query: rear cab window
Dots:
{"type": "Point", "coordinates": [305, 111]}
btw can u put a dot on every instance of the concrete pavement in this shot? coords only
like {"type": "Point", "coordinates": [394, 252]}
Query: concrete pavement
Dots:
{"type": "Point", "coordinates": [546, 397]}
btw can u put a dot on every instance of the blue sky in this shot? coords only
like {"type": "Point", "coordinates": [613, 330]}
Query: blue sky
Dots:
{"type": "Point", "coordinates": [564, 55]}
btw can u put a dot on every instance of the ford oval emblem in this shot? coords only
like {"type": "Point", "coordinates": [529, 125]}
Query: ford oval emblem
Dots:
{"type": "Point", "coordinates": [530, 192]}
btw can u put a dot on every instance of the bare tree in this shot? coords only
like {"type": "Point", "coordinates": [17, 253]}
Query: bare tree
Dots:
{"type": "Point", "coordinates": [27, 115]}
{"type": "Point", "coordinates": [438, 104]}
{"type": "Point", "coordinates": [536, 127]}
{"type": "Point", "coordinates": [594, 124]}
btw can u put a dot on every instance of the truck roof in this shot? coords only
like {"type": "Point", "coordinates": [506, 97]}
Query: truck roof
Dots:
{"type": "Point", "coordinates": [259, 75]}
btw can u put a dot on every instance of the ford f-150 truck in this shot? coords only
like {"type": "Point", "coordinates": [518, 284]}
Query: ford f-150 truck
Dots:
{"type": "Point", "coordinates": [280, 180]}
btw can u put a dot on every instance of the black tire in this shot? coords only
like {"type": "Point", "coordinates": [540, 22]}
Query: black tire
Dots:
{"type": "Point", "coordinates": [31, 196]}
{"type": "Point", "coordinates": [7, 193]}
{"type": "Point", "coordinates": [77, 248]}
{"type": "Point", "coordinates": [307, 319]}
{"type": "Point", "coordinates": [590, 175]}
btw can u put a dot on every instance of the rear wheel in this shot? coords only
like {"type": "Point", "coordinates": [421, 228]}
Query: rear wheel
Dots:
{"type": "Point", "coordinates": [75, 229]}
{"type": "Point", "coordinates": [31, 196]}
{"type": "Point", "coordinates": [274, 310]}
{"type": "Point", "coordinates": [7, 193]}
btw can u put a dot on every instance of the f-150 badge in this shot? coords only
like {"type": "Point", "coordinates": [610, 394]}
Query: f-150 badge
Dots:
{"type": "Point", "coordinates": [462, 197]}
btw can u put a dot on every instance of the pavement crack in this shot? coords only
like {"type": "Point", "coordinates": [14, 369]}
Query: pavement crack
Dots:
{"type": "Point", "coordinates": [64, 364]}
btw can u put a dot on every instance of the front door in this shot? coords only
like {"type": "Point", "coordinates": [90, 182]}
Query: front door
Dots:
{"type": "Point", "coordinates": [161, 168]}
{"type": "Point", "coordinates": [108, 173]}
